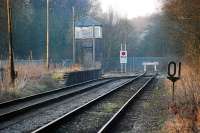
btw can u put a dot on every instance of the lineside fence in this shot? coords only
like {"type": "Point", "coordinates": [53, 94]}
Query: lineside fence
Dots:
{"type": "Point", "coordinates": [135, 64]}
{"type": "Point", "coordinates": [108, 65]}
{"type": "Point", "coordinates": [55, 64]}
{"type": "Point", "coordinates": [81, 76]}
{"type": "Point", "coordinates": [64, 63]}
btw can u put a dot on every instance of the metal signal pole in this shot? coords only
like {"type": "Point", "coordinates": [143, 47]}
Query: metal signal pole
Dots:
{"type": "Point", "coordinates": [125, 63]}
{"type": "Point", "coordinates": [121, 63]}
{"type": "Point", "coordinates": [47, 36]}
{"type": "Point", "coordinates": [11, 54]}
{"type": "Point", "coordinates": [74, 41]}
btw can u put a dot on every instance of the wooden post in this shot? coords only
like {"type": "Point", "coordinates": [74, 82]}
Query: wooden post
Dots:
{"type": "Point", "coordinates": [10, 45]}
{"type": "Point", "coordinates": [47, 36]}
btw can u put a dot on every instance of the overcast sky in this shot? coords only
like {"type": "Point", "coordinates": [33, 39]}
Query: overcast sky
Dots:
{"type": "Point", "coordinates": [132, 8]}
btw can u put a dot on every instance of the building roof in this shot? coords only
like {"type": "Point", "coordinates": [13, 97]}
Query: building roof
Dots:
{"type": "Point", "coordinates": [87, 21]}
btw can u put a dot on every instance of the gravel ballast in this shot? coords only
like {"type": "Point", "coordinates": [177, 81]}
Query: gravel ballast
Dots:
{"type": "Point", "coordinates": [146, 115]}
{"type": "Point", "coordinates": [66, 91]}
{"type": "Point", "coordinates": [93, 118]}
{"type": "Point", "coordinates": [33, 120]}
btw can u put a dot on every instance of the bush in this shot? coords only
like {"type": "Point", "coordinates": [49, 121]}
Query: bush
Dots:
{"type": "Point", "coordinates": [186, 110]}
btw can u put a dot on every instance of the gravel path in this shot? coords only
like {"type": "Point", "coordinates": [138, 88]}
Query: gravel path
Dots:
{"type": "Point", "coordinates": [93, 118]}
{"type": "Point", "coordinates": [47, 97]}
{"type": "Point", "coordinates": [36, 119]}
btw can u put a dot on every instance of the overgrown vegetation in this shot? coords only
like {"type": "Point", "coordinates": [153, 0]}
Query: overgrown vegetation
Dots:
{"type": "Point", "coordinates": [185, 14]}
{"type": "Point", "coordinates": [185, 114]}
{"type": "Point", "coordinates": [31, 79]}
{"type": "Point", "coordinates": [25, 73]}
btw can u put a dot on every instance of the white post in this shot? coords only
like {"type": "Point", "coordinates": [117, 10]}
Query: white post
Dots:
{"type": "Point", "coordinates": [145, 68]}
{"type": "Point", "coordinates": [155, 67]}
{"type": "Point", "coordinates": [121, 68]}
{"type": "Point", "coordinates": [125, 67]}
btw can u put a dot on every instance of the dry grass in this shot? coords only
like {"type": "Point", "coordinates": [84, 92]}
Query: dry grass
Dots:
{"type": "Point", "coordinates": [185, 113]}
{"type": "Point", "coordinates": [29, 72]}
{"type": "Point", "coordinates": [58, 72]}
{"type": "Point", "coordinates": [24, 73]}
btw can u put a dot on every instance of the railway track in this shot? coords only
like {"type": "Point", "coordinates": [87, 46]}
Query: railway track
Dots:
{"type": "Point", "coordinates": [34, 111]}
{"type": "Point", "coordinates": [138, 116]}
{"type": "Point", "coordinates": [10, 109]}
{"type": "Point", "coordinates": [114, 120]}
{"type": "Point", "coordinates": [89, 117]}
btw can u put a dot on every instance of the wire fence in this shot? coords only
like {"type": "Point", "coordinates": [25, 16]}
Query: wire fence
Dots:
{"type": "Point", "coordinates": [56, 64]}
{"type": "Point", "coordinates": [135, 64]}
{"type": "Point", "coordinates": [64, 63]}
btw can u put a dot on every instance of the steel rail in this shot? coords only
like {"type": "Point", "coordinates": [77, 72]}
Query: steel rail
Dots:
{"type": "Point", "coordinates": [49, 126]}
{"type": "Point", "coordinates": [13, 113]}
{"type": "Point", "coordinates": [110, 124]}
{"type": "Point", "coordinates": [28, 98]}
{"type": "Point", "coordinates": [12, 102]}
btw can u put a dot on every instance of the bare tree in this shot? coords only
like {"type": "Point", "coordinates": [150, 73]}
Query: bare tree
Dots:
{"type": "Point", "coordinates": [186, 14]}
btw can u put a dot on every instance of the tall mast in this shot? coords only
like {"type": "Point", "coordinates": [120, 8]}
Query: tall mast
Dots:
{"type": "Point", "coordinates": [94, 47]}
{"type": "Point", "coordinates": [74, 45]}
{"type": "Point", "coordinates": [47, 36]}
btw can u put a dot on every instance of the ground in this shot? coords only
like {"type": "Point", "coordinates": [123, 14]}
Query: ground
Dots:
{"type": "Point", "coordinates": [156, 109]}
{"type": "Point", "coordinates": [151, 113]}
{"type": "Point", "coordinates": [148, 114]}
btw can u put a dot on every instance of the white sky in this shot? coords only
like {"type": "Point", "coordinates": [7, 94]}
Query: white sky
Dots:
{"type": "Point", "coordinates": [131, 8]}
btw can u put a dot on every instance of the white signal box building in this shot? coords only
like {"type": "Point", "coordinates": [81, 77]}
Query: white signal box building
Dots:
{"type": "Point", "coordinates": [87, 32]}
{"type": "Point", "coordinates": [88, 35]}
{"type": "Point", "coordinates": [88, 28]}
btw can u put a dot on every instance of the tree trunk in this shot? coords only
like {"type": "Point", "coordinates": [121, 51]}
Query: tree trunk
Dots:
{"type": "Point", "coordinates": [11, 54]}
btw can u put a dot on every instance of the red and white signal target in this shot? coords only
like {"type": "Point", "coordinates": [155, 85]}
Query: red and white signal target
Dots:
{"type": "Point", "coordinates": [123, 56]}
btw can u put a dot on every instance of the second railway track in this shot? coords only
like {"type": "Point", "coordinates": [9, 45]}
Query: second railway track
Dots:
{"type": "Point", "coordinates": [16, 107]}
{"type": "Point", "coordinates": [94, 114]}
